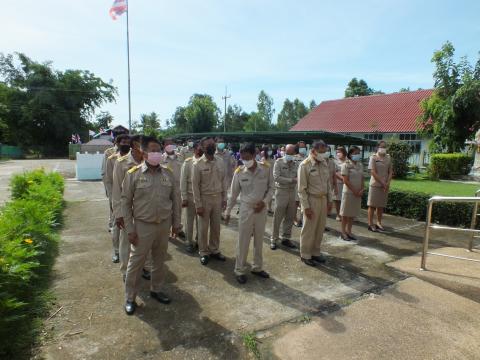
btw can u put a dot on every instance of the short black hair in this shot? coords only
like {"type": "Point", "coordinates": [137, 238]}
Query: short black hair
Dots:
{"type": "Point", "coordinates": [196, 144]}
{"type": "Point", "coordinates": [352, 150]}
{"type": "Point", "coordinates": [317, 144]}
{"type": "Point", "coordinates": [149, 139]}
{"type": "Point", "coordinates": [248, 148]}
{"type": "Point", "coordinates": [136, 138]}
{"type": "Point", "coordinates": [205, 138]}
{"type": "Point", "coordinates": [121, 137]}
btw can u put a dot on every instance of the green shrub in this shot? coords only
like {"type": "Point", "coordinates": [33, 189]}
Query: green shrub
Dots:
{"type": "Point", "coordinates": [443, 166]}
{"type": "Point", "coordinates": [413, 205]}
{"type": "Point", "coordinates": [400, 152]}
{"type": "Point", "coordinates": [28, 246]}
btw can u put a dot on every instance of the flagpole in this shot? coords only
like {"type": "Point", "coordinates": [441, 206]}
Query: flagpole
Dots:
{"type": "Point", "coordinates": [128, 65]}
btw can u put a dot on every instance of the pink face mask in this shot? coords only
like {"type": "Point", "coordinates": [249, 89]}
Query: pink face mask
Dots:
{"type": "Point", "coordinates": [154, 158]}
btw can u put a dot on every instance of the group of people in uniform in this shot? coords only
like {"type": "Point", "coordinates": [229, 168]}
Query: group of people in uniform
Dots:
{"type": "Point", "coordinates": [149, 182]}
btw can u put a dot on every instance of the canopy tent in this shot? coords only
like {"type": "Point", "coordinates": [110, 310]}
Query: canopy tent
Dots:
{"type": "Point", "coordinates": [286, 137]}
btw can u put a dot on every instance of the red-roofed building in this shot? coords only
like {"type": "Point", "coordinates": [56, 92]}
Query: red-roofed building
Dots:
{"type": "Point", "coordinates": [375, 117]}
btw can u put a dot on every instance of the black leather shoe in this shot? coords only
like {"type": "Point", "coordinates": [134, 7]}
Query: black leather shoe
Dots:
{"type": "Point", "coordinates": [327, 229]}
{"type": "Point", "coordinates": [262, 274]}
{"type": "Point", "coordinates": [320, 259]}
{"type": "Point", "coordinates": [182, 235]}
{"type": "Point", "coordinates": [372, 228]}
{"type": "Point", "coordinates": [351, 237]}
{"type": "Point", "coordinates": [308, 262]}
{"type": "Point", "coordinates": [115, 259]}
{"type": "Point", "coordinates": [219, 257]}
{"type": "Point", "coordinates": [242, 279]}
{"type": "Point", "coordinates": [288, 244]}
{"type": "Point", "coordinates": [190, 249]}
{"type": "Point", "coordinates": [130, 307]}
{"type": "Point", "coordinates": [146, 274]}
{"type": "Point", "coordinates": [273, 246]}
{"type": "Point", "coordinates": [204, 259]}
{"type": "Point", "coordinates": [160, 297]}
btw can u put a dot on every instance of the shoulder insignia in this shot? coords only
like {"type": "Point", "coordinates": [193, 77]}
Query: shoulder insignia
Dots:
{"type": "Point", "coordinates": [114, 155]}
{"type": "Point", "coordinates": [135, 168]}
{"type": "Point", "coordinates": [238, 169]}
{"type": "Point", "coordinates": [167, 167]}
{"type": "Point", "coordinates": [121, 158]}
{"type": "Point", "coordinates": [265, 163]}
{"type": "Point", "coordinates": [189, 159]}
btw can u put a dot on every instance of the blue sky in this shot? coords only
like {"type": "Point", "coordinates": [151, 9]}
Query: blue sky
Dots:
{"type": "Point", "coordinates": [306, 49]}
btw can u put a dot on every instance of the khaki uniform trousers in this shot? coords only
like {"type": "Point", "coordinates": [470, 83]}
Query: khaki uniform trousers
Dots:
{"type": "Point", "coordinates": [285, 210]}
{"type": "Point", "coordinates": [124, 253]}
{"type": "Point", "coordinates": [108, 192]}
{"type": "Point", "coordinates": [311, 235]}
{"type": "Point", "coordinates": [151, 237]}
{"type": "Point", "coordinates": [191, 220]}
{"type": "Point", "coordinates": [209, 243]}
{"type": "Point", "coordinates": [250, 222]}
{"type": "Point", "coordinates": [115, 237]}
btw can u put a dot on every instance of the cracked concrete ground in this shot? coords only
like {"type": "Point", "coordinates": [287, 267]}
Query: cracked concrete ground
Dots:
{"type": "Point", "coordinates": [210, 311]}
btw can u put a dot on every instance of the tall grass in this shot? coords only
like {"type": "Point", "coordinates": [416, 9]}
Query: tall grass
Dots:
{"type": "Point", "coordinates": [28, 247]}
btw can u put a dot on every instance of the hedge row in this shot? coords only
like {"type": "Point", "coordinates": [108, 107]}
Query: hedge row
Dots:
{"type": "Point", "coordinates": [413, 205]}
{"type": "Point", "coordinates": [444, 166]}
{"type": "Point", "coordinates": [28, 246]}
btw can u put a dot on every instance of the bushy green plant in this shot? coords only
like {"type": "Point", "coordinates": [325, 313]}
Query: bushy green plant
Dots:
{"type": "Point", "coordinates": [400, 152]}
{"type": "Point", "coordinates": [28, 245]}
{"type": "Point", "coordinates": [444, 166]}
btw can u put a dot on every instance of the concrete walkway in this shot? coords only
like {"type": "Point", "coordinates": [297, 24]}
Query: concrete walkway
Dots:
{"type": "Point", "coordinates": [210, 312]}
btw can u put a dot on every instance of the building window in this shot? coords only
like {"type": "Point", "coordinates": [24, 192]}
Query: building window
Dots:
{"type": "Point", "coordinates": [408, 137]}
{"type": "Point", "coordinates": [374, 136]}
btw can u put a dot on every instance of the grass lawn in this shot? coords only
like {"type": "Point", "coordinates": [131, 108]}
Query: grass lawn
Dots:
{"type": "Point", "coordinates": [419, 184]}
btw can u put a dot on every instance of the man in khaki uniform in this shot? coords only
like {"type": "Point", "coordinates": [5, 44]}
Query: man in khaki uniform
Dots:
{"type": "Point", "coordinates": [149, 206]}
{"type": "Point", "coordinates": [210, 195]}
{"type": "Point", "coordinates": [314, 191]}
{"type": "Point", "coordinates": [108, 189]}
{"type": "Point", "coordinates": [253, 181]}
{"type": "Point", "coordinates": [286, 197]}
{"type": "Point", "coordinates": [228, 161]}
{"type": "Point", "coordinates": [123, 144]}
{"type": "Point", "coordinates": [122, 165]}
{"type": "Point", "coordinates": [187, 197]}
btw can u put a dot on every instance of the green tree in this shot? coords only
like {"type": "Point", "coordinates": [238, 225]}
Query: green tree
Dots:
{"type": "Point", "coordinates": [359, 88]}
{"type": "Point", "coordinates": [45, 106]}
{"type": "Point", "coordinates": [312, 105]}
{"type": "Point", "coordinates": [257, 123]}
{"type": "Point", "coordinates": [451, 114]}
{"type": "Point", "coordinates": [265, 107]}
{"type": "Point", "coordinates": [201, 114]}
{"type": "Point", "coordinates": [179, 121]}
{"type": "Point", "coordinates": [407, 89]}
{"type": "Point", "coordinates": [103, 120]}
{"type": "Point", "coordinates": [236, 118]}
{"type": "Point", "coordinates": [290, 114]}
{"type": "Point", "coordinates": [150, 124]}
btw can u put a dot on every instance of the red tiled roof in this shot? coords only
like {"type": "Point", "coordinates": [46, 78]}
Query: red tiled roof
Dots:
{"type": "Point", "coordinates": [395, 112]}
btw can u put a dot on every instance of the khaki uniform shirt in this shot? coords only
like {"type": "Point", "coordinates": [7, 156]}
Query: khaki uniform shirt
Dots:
{"type": "Point", "coordinates": [186, 178]}
{"type": "Point", "coordinates": [208, 178]}
{"type": "Point", "coordinates": [313, 179]}
{"type": "Point", "coordinates": [108, 177]}
{"type": "Point", "coordinates": [354, 173]}
{"type": "Point", "coordinates": [175, 165]}
{"type": "Point", "coordinates": [150, 195]}
{"type": "Point", "coordinates": [122, 165]}
{"type": "Point", "coordinates": [106, 155]}
{"type": "Point", "coordinates": [383, 167]}
{"type": "Point", "coordinates": [285, 174]}
{"type": "Point", "coordinates": [252, 186]}
{"type": "Point", "coordinates": [184, 153]}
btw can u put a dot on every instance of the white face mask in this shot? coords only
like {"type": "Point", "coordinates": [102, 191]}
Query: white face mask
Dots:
{"type": "Point", "coordinates": [190, 144]}
{"type": "Point", "coordinates": [321, 156]}
{"type": "Point", "coordinates": [289, 157]}
{"type": "Point", "coordinates": [381, 151]}
{"type": "Point", "coordinates": [302, 151]}
{"type": "Point", "coordinates": [171, 157]}
{"type": "Point", "coordinates": [248, 163]}
{"type": "Point", "coordinates": [356, 157]}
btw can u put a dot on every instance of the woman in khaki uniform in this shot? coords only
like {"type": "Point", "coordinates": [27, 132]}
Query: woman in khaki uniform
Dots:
{"type": "Point", "coordinates": [380, 167]}
{"type": "Point", "coordinates": [352, 173]}
{"type": "Point", "coordinates": [339, 161]}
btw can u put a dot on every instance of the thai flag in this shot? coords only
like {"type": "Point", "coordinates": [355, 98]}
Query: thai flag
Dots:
{"type": "Point", "coordinates": [118, 8]}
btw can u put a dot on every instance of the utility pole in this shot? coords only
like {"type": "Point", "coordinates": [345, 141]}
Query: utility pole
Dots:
{"type": "Point", "coordinates": [225, 112]}
{"type": "Point", "coordinates": [128, 65]}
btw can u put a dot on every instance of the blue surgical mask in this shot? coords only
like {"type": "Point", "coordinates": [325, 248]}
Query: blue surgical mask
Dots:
{"type": "Point", "coordinates": [289, 157]}
{"type": "Point", "coordinates": [270, 152]}
{"type": "Point", "coordinates": [302, 151]}
{"type": "Point", "coordinates": [221, 146]}
{"type": "Point", "coordinates": [356, 157]}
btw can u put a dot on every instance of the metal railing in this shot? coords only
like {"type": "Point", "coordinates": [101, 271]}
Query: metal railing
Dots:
{"type": "Point", "coordinates": [474, 232]}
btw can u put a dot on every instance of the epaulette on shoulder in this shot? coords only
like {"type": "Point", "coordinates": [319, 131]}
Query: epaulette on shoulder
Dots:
{"type": "Point", "coordinates": [167, 167]}
{"type": "Point", "coordinates": [135, 168]}
{"type": "Point", "coordinates": [121, 158]}
{"type": "Point", "coordinates": [238, 169]}
{"type": "Point", "coordinates": [114, 155]}
{"type": "Point", "coordinates": [265, 163]}
{"type": "Point", "coordinates": [189, 159]}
